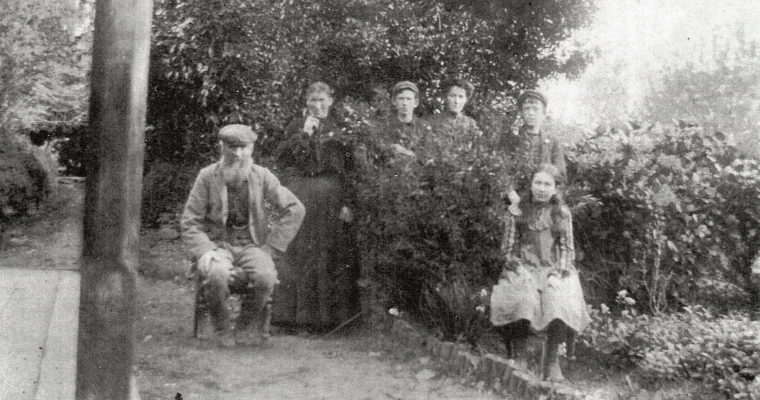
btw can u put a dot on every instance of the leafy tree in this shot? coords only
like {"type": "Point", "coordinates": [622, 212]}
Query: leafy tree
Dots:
{"type": "Point", "coordinates": [231, 61]}
{"type": "Point", "coordinates": [44, 59]}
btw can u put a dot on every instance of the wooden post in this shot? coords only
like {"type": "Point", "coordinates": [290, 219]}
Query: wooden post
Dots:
{"type": "Point", "coordinates": [115, 149]}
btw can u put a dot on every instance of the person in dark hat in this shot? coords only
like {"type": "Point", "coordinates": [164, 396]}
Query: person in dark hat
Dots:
{"type": "Point", "coordinates": [402, 131]}
{"type": "Point", "coordinates": [226, 226]}
{"type": "Point", "coordinates": [532, 146]}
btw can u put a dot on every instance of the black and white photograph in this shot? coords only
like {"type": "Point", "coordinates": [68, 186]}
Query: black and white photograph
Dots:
{"type": "Point", "coordinates": [379, 199]}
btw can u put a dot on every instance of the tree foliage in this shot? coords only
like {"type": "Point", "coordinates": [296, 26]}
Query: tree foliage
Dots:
{"type": "Point", "coordinates": [677, 205]}
{"type": "Point", "coordinates": [44, 59]}
{"type": "Point", "coordinates": [216, 62]}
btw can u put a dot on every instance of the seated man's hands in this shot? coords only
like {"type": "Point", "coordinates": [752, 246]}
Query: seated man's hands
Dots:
{"type": "Point", "coordinates": [204, 263]}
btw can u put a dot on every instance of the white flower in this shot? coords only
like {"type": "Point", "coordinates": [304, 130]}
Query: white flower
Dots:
{"type": "Point", "coordinates": [483, 293]}
{"type": "Point", "coordinates": [394, 311]}
{"type": "Point", "coordinates": [481, 309]}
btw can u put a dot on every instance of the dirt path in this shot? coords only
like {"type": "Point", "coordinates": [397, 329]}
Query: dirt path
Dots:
{"type": "Point", "coordinates": [297, 366]}
{"type": "Point", "coordinates": [171, 364]}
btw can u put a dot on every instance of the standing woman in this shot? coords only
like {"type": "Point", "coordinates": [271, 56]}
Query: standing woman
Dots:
{"type": "Point", "coordinates": [539, 289]}
{"type": "Point", "coordinates": [318, 278]}
{"type": "Point", "coordinates": [451, 128]}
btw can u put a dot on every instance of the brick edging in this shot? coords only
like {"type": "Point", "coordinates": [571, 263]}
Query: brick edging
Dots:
{"type": "Point", "coordinates": [498, 373]}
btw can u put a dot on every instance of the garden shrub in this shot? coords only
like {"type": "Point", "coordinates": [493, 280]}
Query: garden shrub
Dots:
{"type": "Point", "coordinates": [675, 205]}
{"type": "Point", "coordinates": [165, 190]}
{"type": "Point", "coordinates": [68, 142]}
{"type": "Point", "coordinates": [456, 312]}
{"type": "Point", "coordinates": [721, 351]}
{"type": "Point", "coordinates": [429, 230]}
{"type": "Point", "coordinates": [25, 183]}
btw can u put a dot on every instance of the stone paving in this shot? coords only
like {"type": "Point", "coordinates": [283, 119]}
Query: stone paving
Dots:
{"type": "Point", "coordinates": [39, 317]}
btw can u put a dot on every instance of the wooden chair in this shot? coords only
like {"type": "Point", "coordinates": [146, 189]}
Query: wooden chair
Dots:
{"type": "Point", "coordinates": [239, 291]}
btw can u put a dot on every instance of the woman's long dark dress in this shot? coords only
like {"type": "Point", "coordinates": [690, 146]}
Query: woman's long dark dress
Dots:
{"type": "Point", "coordinates": [318, 278]}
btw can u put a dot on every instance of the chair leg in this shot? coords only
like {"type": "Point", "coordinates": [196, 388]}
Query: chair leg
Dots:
{"type": "Point", "coordinates": [196, 309]}
{"type": "Point", "coordinates": [542, 360]}
{"type": "Point", "coordinates": [266, 322]}
{"type": "Point", "coordinates": [570, 344]}
{"type": "Point", "coordinates": [201, 308]}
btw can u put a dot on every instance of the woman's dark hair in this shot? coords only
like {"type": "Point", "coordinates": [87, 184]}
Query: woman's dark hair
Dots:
{"type": "Point", "coordinates": [462, 83]}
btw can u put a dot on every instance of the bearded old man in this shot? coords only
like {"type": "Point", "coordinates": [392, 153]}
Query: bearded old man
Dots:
{"type": "Point", "coordinates": [227, 228]}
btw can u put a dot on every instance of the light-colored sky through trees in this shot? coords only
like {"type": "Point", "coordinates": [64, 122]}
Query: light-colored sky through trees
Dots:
{"type": "Point", "coordinates": [637, 41]}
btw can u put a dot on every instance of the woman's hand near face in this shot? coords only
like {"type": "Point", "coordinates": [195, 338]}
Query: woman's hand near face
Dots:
{"type": "Point", "coordinates": [310, 124]}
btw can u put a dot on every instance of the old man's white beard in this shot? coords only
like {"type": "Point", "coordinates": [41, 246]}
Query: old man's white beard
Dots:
{"type": "Point", "coordinates": [236, 173]}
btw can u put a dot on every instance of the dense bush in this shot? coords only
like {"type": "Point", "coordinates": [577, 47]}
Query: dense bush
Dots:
{"type": "Point", "coordinates": [429, 229]}
{"type": "Point", "coordinates": [69, 143]}
{"type": "Point", "coordinates": [676, 205]}
{"type": "Point", "coordinates": [24, 180]}
{"type": "Point", "coordinates": [722, 351]}
{"type": "Point", "coordinates": [44, 59]}
{"type": "Point", "coordinates": [165, 190]}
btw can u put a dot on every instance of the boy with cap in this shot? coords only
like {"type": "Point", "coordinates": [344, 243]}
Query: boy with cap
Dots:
{"type": "Point", "coordinates": [226, 227]}
{"type": "Point", "coordinates": [532, 146]}
{"type": "Point", "coordinates": [404, 131]}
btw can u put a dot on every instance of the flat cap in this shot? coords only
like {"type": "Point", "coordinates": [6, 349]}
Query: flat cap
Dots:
{"type": "Point", "coordinates": [405, 85]}
{"type": "Point", "coordinates": [237, 135]}
{"type": "Point", "coordinates": [532, 94]}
